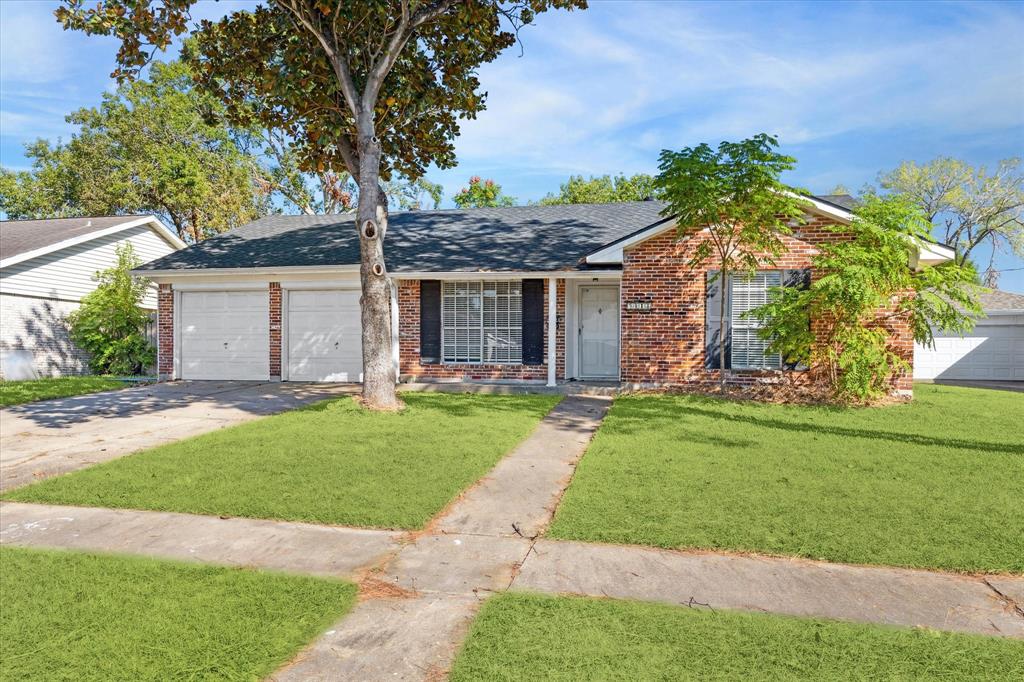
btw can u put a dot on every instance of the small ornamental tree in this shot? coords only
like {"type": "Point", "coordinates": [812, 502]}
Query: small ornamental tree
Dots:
{"type": "Point", "coordinates": [110, 323]}
{"type": "Point", "coordinates": [734, 195]}
{"type": "Point", "coordinates": [371, 87]}
{"type": "Point", "coordinates": [482, 194]}
{"type": "Point", "coordinates": [868, 283]}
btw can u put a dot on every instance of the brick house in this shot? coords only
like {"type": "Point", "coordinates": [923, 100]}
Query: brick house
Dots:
{"type": "Point", "coordinates": [539, 294]}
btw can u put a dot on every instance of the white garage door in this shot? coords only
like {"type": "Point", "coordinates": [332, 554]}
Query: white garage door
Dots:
{"type": "Point", "coordinates": [225, 335]}
{"type": "Point", "coordinates": [324, 336]}
{"type": "Point", "coordinates": [994, 350]}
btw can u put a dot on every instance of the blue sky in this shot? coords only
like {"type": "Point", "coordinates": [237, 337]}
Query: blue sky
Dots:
{"type": "Point", "coordinates": [849, 88]}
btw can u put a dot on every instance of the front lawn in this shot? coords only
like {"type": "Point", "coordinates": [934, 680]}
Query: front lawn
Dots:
{"type": "Point", "coordinates": [72, 616]}
{"type": "Point", "coordinates": [332, 463]}
{"type": "Point", "coordinates": [937, 483]}
{"type": "Point", "coordinates": [531, 637]}
{"type": "Point", "coordinates": [32, 390]}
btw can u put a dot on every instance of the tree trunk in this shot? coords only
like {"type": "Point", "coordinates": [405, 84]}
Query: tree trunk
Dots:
{"type": "Point", "coordinates": [724, 275]}
{"type": "Point", "coordinates": [375, 303]}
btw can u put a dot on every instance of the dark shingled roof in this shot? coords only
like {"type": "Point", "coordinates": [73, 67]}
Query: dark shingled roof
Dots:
{"type": "Point", "coordinates": [22, 236]}
{"type": "Point", "coordinates": [994, 299]}
{"type": "Point", "coordinates": [520, 238]}
{"type": "Point", "coordinates": [841, 200]}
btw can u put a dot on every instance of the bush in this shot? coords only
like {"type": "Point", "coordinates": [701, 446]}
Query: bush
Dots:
{"type": "Point", "coordinates": [110, 324]}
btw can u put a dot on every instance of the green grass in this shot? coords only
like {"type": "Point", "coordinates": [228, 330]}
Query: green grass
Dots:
{"type": "Point", "coordinates": [936, 483]}
{"type": "Point", "coordinates": [72, 616]}
{"type": "Point", "coordinates": [332, 462]}
{"type": "Point", "coordinates": [529, 637]}
{"type": "Point", "coordinates": [32, 390]}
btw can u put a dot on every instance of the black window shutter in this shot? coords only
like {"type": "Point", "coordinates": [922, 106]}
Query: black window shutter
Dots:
{"type": "Point", "coordinates": [713, 294]}
{"type": "Point", "coordinates": [800, 279]}
{"type": "Point", "coordinates": [430, 322]}
{"type": "Point", "coordinates": [796, 278]}
{"type": "Point", "coordinates": [533, 322]}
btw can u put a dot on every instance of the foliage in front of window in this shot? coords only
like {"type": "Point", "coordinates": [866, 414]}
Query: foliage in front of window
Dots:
{"type": "Point", "coordinates": [866, 283]}
{"type": "Point", "coordinates": [735, 193]}
{"type": "Point", "coordinates": [110, 323]}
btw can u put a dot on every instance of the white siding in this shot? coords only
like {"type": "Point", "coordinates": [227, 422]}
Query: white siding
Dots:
{"type": "Point", "coordinates": [35, 330]}
{"type": "Point", "coordinates": [67, 274]}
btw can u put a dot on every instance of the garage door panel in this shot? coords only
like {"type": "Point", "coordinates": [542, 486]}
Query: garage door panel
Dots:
{"type": "Point", "coordinates": [225, 335]}
{"type": "Point", "coordinates": [993, 351]}
{"type": "Point", "coordinates": [324, 336]}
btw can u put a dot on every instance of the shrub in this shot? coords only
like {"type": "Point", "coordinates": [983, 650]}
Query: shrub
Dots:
{"type": "Point", "coordinates": [110, 324]}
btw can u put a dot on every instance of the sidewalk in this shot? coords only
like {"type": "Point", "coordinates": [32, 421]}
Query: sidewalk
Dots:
{"type": "Point", "coordinates": [421, 590]}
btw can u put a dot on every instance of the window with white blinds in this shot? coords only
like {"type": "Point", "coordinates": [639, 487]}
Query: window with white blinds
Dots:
{"type": "Point", "coordinates": [482, 322]}
{"type": "Point", "coordinates": [749, 350]}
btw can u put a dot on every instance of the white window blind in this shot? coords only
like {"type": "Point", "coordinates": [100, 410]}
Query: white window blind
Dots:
{"type": "Point", "coordinates": [482, 322]}
{"type": "Point", "coordinates": [749, 350]}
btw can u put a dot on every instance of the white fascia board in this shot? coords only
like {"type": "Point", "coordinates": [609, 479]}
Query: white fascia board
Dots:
{"type": "Point", "coordinates": [493, 275]}
{"type": "Point", "coordinates": [154, 223]}
{"type": "Point", "coordinates": [612, 254]}
{"type": "Point", "coordinates": [841, 214]}
{"type": "Point", "coordinates": [930, 253]}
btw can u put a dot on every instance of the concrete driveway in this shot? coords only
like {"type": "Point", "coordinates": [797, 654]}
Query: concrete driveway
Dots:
{"type": "Point", "coordinates": [56, 436]}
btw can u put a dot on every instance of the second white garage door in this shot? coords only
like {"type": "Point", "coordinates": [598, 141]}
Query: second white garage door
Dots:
{"type": "Point", "coordinates": [324, 336]}
{"type": "Point", "coordinates": [225, 335]}
{"type": "Point", "coordinates": [993, 351]}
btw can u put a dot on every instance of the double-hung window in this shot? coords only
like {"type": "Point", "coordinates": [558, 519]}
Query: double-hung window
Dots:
{"type": "Point", "coordinates": [749, 350]}
{"type": "Point", "coordinates": [482, 322]}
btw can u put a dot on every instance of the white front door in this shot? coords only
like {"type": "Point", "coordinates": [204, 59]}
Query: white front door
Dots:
{"type": "Point", "coordinates": [225, 335]}
{"type": "Point", "coordinates": [324, 335]}
{"type": "Point", "coordinates": [599, 332]}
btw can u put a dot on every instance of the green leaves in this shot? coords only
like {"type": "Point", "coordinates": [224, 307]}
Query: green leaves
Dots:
{"type": "Point", "coordinates": [110, 323]}
{"type": "Point", "coordinates": [482, 194]}
{"type": "Point", "coordinates": [846, 320]}
{"type": "Point", "coordinates": [735, 193]}
{"type": "Point", "coordinates": [603, 190]}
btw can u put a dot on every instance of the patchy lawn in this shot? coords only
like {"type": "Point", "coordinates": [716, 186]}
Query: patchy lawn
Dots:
{"type": "Point", "coordinates": [72, 616]}
{"type": "Point", "coordinates": [331, 462]}
{"type": "Point", "coordinates": [531, 637]}
{"type": "Point", "coordinates": [937, 483]}
{"type": "Point", "coordinates": [32, 390]}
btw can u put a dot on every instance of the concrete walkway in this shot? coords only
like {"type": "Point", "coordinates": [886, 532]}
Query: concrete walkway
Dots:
{"type": "Point", "coordinates": [275, 545]}
{"type": "Point", "coordinates": [421, 591]}
{"type": "Point", "coordinates": [52, 437]}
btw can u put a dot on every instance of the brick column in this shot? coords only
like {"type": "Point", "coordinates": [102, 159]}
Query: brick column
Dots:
{"type": "Point", "coordinates": [165, 332]}
{"type": "Point", "coordinates": [275, 331]}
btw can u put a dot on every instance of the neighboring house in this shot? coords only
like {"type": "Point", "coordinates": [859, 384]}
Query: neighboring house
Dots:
{"type": "Point", "coordinates": [46, 267]}
{"type": "Point", "coordinates": [993, 351]}
{"type": "Point", "coordinates": [524, 294]}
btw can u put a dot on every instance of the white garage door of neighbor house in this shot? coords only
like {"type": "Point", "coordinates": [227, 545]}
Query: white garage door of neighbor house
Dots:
{"type": "Point", "coordinates": [993, 351]}
{"type": "Point", "coordinates": [225, 335]}
{"type": "Point", "coordinates": [324, 335]}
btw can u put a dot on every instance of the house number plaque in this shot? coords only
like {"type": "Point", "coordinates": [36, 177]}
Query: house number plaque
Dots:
{"type": "Point", "coordinates": [641, 306]}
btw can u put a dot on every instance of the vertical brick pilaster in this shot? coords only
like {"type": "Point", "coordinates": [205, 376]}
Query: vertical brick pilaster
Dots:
{"type": "Point", "coordinates": [165, 332]}
{"type": "Point", "coordinates": [275, 330]}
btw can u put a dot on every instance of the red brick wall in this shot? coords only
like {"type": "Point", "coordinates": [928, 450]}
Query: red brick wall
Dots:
{"type": "Point", "coordinates": [409, 345]}
{"type": "Point", "coordinates": [275, 330]}
{"type": "Point", "coordinates": [665, 345]}
{"type": "Point", "coordinates": [165, 331]}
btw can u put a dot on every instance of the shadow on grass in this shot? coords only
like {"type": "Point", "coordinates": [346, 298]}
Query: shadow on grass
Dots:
{"type": "Point", "coordinates": [675, 410]}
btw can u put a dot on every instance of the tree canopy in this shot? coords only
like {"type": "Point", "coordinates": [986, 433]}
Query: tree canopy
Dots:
{"type": "Point", "coordinates": [157, 145]}
{"type": "Point", "coordinates": [969, 207]}
{"type": "Point", "coordinates": [865, 290]}
{"type": "Point", "coordinates": [482, 194]}
{"type": "Point", "coordinates": [604, 189]}
{"type": "Point", "coordinates": [372, 87]}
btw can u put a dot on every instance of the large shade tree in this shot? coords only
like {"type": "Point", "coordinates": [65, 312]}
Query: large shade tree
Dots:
{"type": "Point", "coordinates": [368, 87]}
